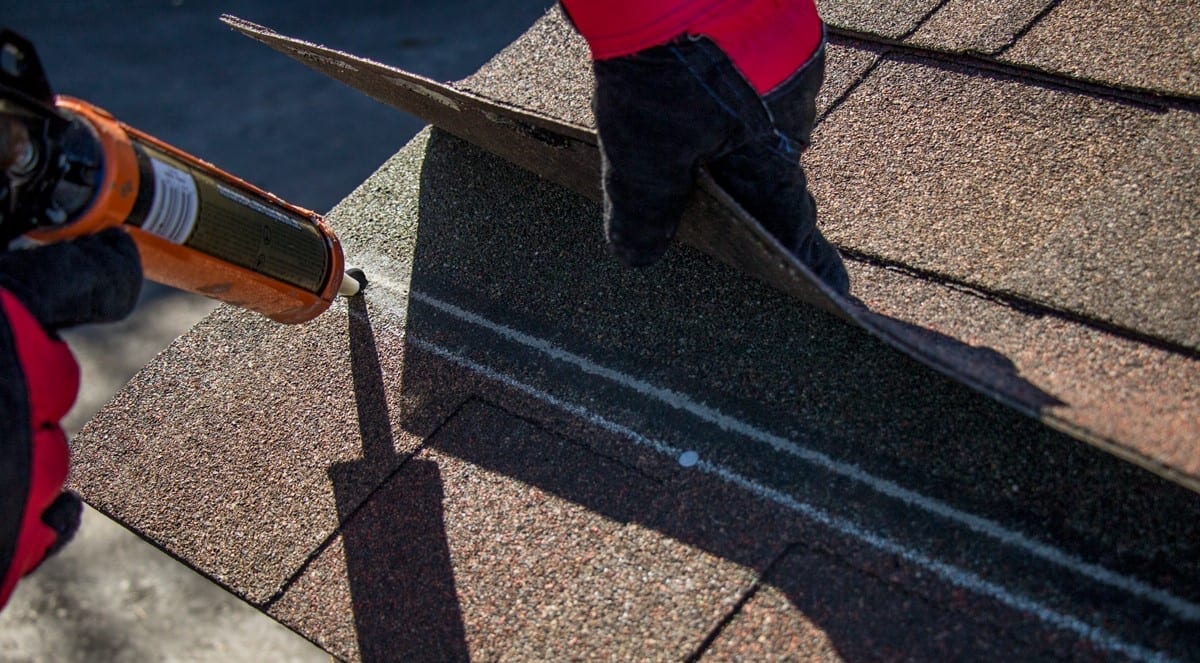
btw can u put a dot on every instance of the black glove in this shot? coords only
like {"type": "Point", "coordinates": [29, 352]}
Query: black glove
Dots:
{"type": "Point", "coordinates": [664, 112]}
{"type": "Point", "coordinates": [92, 279]}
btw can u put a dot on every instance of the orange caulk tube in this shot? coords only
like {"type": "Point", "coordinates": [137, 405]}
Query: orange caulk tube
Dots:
{"type": "Point", "coordinates": [202, 230]}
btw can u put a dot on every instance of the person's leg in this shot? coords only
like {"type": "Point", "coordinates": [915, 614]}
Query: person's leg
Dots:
{"type": "Point", "coordinates": [765, 177]}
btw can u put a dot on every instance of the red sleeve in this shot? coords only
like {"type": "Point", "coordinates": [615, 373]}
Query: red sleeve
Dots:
{"type": "Point", "coordinates": [768, 40]}
{"type": "Point", "coordinates": [37, 444]}
{"type": "Point", "coordinates": [614, 28]}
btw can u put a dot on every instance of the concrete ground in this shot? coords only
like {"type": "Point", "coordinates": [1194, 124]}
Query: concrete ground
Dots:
{"type": "Point", "coordinates": [171, 69]}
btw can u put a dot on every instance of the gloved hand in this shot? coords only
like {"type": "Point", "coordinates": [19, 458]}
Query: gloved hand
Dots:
{"type": "Point", "coordinates": [42, 290]}
{"type": "Point", "coordinates": [727, 86]}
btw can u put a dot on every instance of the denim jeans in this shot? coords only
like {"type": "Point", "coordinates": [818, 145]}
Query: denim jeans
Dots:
{"type": "Point", "coordinates": [667, 110]}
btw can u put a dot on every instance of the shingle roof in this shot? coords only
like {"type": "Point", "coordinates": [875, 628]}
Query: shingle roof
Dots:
{"type": "Point", "coordinates": [1053, 200]}
{"type": "Point", "coordinates": [481, 455]}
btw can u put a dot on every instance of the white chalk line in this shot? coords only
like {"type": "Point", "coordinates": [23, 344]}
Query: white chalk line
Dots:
{"type": "Point", "coordinates": [952, 574]}
{"type": "Point", "coordinates": [1180, 607]}
{"type": "Point", "coordinates": [947, 572]}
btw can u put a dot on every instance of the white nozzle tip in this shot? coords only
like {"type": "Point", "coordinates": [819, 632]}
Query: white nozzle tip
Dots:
{"type": "Point", "coordinates": [353, 281]}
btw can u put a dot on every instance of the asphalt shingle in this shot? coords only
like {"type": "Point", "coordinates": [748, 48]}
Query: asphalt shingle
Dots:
{"type": "Point", "coordinates": [891, 18]}
{"type": "Point", "coordinates": [501, 536]}
{"type": "Point", "coordinates": [386, 501]}
{"type": "Point", "coordinates": [1130, 398]}
{"type": "Point", "coordinates": [503, 540]}
{"type": "Point", "coordinates": [977, 26]}
{"type": "Point", "coordinates": [846, 63]}
{"type": "Point", "coordinates": [970, 175]}
{"type": "Point", "coordinates": [1130, 255]}
{"type": "Point", "coordinates": [1146, 44]}
{"type": "Point", "coordinates": [547, 70]}
{"type": "Point", "coordinates": [195, 458]}
{"type": "Point", "coordinates": [983, 168]}
{"type": "Point", "coordinates": [984, 173]}
{"type": "Point", "coordinates": [819, 603]}
{"type": "Point", "coordinates": [815, 607]}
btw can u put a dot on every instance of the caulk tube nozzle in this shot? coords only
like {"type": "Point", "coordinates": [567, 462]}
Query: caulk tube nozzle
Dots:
{"type": "Point", "coordinates": [353, 281]}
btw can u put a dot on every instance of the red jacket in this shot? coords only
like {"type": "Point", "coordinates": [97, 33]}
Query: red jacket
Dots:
{"type": "Point", "coordinates": [43, 368]}
{"type": "Point", "coordinates": [95, 278]}
{"type": "Point", "coordinates": [767, 40]}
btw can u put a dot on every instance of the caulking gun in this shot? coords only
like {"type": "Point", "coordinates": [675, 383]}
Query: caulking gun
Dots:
{"type": "Point", "coordinates": [70, 169]}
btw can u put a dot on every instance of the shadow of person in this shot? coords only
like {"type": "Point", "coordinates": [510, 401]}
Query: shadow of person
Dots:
{"type": "Point", "coordinates": [514, 257]}
{"type": "Point", "coordinates": [397, 557]}
{"type": "Point", "coordinates": [981, 368]}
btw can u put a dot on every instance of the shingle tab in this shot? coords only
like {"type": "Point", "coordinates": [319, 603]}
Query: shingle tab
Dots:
{"type": "Point", "coordinates": [846, 63]}
{"type": "Point", "coordinates": [504, 540]}
{"type": "Point", "coordinates": [194, 458]}
{"type": "Point", "coordinates": [814, 607]}
{"type": "Point", "coordinates": [892, 19]}
{"type": "Point", "coordinates": [1132, 399]}
{"type": "Point", "coordinates": [969, 174]}
{"type": "Point", "coordinates": [1130, 255]}
{"type": "Point", "coordinates": [1146, 44]}
{"type": "Point", "coordinates": [977, 26]}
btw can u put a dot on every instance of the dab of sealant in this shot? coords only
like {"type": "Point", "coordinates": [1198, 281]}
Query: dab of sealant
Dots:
{"type": "Point", "coordinates": [689, 458]}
